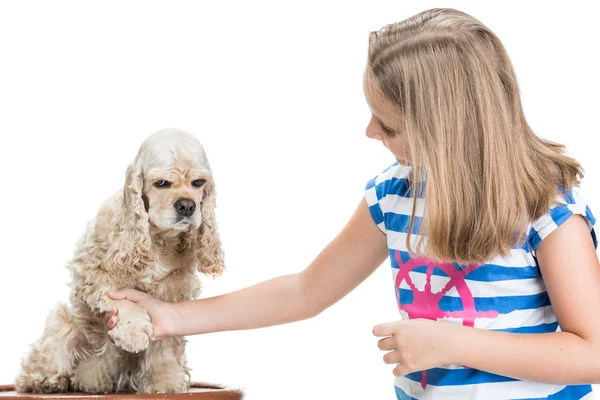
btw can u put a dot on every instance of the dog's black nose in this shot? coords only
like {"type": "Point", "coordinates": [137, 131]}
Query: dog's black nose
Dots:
{"type": "Point", "coordinates": [185, 207]}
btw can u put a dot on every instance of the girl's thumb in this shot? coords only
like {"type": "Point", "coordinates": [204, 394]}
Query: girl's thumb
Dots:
{"type": "Point", "coordinates": [127, 294]}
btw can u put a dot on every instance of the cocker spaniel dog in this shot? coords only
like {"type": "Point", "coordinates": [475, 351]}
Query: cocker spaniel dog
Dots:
{"type": "Point", "coordinates": [155, 235]}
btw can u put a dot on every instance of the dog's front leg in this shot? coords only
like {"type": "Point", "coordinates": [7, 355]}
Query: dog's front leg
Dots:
{"type": "Point", "coordinates": [134, 331]}
{"type": "Point", "coordinates": [164, 368]}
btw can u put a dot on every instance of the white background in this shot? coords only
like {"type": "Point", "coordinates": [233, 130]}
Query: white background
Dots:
{"type": "Point", "coordinates": [274, 93]}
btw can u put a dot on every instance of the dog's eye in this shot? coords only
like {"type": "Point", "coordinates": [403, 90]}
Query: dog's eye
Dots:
{"type": "Point", "coordinates": [162, 184]}
{"type": "Point", "coordinates": [198, 182]}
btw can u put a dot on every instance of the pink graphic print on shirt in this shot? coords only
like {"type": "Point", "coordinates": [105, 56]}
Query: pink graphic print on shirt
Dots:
{"type": "Point", "coordinates": [427, 304]}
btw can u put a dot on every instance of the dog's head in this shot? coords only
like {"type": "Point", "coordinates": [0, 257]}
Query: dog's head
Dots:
{"type": "Point", "coordinates": [169, 190]}
{"type": "Point", "coordinates": [176, 180]}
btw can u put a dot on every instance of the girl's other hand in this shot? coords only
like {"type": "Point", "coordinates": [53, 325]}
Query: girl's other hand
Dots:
{"type": "Point", "coordinates": [416, 344]}
{"type": "Point", "coordinates": [162, 314]}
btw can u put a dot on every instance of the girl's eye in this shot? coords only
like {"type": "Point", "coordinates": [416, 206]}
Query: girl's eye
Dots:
{"type": "Point", "coordinates": [162, 184]}
{"type": "Point", "coordinates": [386, 130]}
{"type": "Point", "coordinates": [198, 182]}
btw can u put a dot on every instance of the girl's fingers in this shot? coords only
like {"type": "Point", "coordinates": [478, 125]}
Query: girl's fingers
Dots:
{"type": "Point", "coordinates": [127, 294]}
{"type": "Point", "coordinates": [110, 336]}
{"type": "Point", "coordinates": [386, 344]}
{"type": "Point", "coordinates": [112, 322]}
{"type": "Point", "coordinates": [391, 358]}
{"type": "Point", "coordinates": [109, 314]}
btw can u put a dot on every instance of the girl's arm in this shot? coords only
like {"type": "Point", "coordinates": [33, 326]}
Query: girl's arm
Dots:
{"type": "Point", "coordinates": [349, 259]}
{"type": "Point", "coordinates": [571, 273]}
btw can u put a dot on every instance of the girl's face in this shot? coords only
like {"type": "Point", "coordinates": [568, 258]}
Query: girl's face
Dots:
{"type": "Point", "coordinates": [384, 117]}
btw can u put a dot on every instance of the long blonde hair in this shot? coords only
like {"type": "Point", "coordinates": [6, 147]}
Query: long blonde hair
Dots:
{"type": "Point", "coordinates": [487, 174]}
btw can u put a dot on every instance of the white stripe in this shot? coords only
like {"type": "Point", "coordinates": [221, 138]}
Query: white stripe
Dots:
{"type": "Point", "coordinates": [371, 196]}
{"type": "Point", "coordinates": [579, 206]}
{"type": "Point", "coordinates": [544, 225]}
{"type": "Point", "coordinates": [397, 240]}
{"type": "Point", "coordinates": [403, 205]}
{"type": "Point", "coordinates": [487, 391]}
{"type": "Point", "coordinates": [514, 319]}
{"type": "Point", "coordinates": [516, 258]}
{"type": "Point", "coordinates": [589, 396]}
{"type": "Point", "coordinates": [518, 319]}
{"type": "Point", "coordinates": [397, 171]}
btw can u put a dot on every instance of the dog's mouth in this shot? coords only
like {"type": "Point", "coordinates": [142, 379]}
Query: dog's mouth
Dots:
{"type": "Point", "coordinates": [183, 221]}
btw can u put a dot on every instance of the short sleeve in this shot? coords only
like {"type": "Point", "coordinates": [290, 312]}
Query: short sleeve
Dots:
{"type": "Point", "coordinates": [376, 191]}
{"type": "Point", "coordinates": [570, 202]}
{"type": "Point", "coordinates": [374, 206]}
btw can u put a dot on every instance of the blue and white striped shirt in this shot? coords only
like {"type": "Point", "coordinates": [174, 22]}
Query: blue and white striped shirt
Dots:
{"type": "Point", "coordinates": [505, 294]}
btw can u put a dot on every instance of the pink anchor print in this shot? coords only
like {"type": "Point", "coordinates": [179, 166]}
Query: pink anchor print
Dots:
{"type": "Point", "coordinates": [427, 304]}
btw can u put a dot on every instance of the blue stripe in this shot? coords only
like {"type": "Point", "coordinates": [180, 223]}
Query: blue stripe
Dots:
{"type": "Point", "coordinates": [456, 377]}
{"type": "Point", "coordinates": [370, 184]}
{"type": "Point", "coordinates": [401, 394]}
{"type": "Point", "coordinates": [399, 187]}
{"type": "Point", "coordinates": [376, 213]}
{"type": "Point", "coordinates": [590, 216]}
{"type": "Point", "coordinates": [484, 273]}
{"type": "Point", "coordinates": [560, 213]}
{"type": "Point", "coordinates": [570, 392]}
{"type": "Point", "coordinates": [535, 239]}
{"type": "Point", "coordinates": [541, 328]}
{"type": "Point", "coordinates": [399, 222]}
{"type": "Point", "coordinates": [502, 304]}
{"type": "Point", "coordinates": [488, 272]}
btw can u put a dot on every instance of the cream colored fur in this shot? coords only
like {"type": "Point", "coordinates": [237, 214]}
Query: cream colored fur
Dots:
{"type": "Point", "coordinates": [136, 240]}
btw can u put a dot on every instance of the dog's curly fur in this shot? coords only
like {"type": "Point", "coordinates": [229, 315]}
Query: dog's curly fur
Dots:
{"type": "Point", "coordinates": [138, 240]}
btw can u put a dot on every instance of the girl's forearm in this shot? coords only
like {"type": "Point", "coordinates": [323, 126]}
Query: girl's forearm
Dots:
{"type": "Point", "coordinates": [276, 301]}
{"type": "Point", "coordinates": [557, 357]}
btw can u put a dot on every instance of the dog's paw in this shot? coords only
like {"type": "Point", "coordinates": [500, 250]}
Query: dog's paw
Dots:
{"type": "Point", "coordinates": [164, 387]}
{"type": "Point", "coordinates": [42, 384]}
{"type": "Point", "coordinates": [133, 335]}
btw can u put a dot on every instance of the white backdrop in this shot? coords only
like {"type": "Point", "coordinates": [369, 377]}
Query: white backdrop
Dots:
{"type": "Point", "coordinates": [274, 93]}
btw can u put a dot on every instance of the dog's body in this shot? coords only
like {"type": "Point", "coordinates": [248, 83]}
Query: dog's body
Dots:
{"type": "Point", "coordinates": [150, 237]}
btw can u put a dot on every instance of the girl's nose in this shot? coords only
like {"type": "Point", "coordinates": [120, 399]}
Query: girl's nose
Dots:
{"type": "Point", "coordinates": [372, 130]}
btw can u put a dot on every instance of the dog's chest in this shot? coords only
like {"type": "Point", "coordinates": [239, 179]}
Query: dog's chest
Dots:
{"type": "Point", "coordinates": [171, 279]}
{"type": "Point", "coordinates": [160, 270]}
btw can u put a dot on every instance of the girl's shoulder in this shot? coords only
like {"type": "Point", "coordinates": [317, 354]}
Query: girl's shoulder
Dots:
{"type": "Point", "coordinates": [389, 195]}
{"type": "Point", "coordinates": [394, 180]}
{"type": "Point", "coordinates": [567, 203]}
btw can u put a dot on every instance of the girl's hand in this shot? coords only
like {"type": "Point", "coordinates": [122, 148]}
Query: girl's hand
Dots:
{"type": "Point", "coordinates": [162, 314]}
{"type": "Point", "coordinates": [417, 344]}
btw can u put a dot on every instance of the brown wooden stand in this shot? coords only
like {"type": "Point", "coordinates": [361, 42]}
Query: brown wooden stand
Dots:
{"type": "Point", "coordinates": [198, 391]}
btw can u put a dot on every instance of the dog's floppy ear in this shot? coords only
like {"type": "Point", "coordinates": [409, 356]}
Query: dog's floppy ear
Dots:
{"type": "Point", "coordinates": [129, 253]}
{"type": "Point", "coordinates": [209, 251]}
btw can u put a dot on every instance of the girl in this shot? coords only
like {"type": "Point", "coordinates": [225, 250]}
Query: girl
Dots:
{"type": "Point", "coordinates": [492, 249]}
